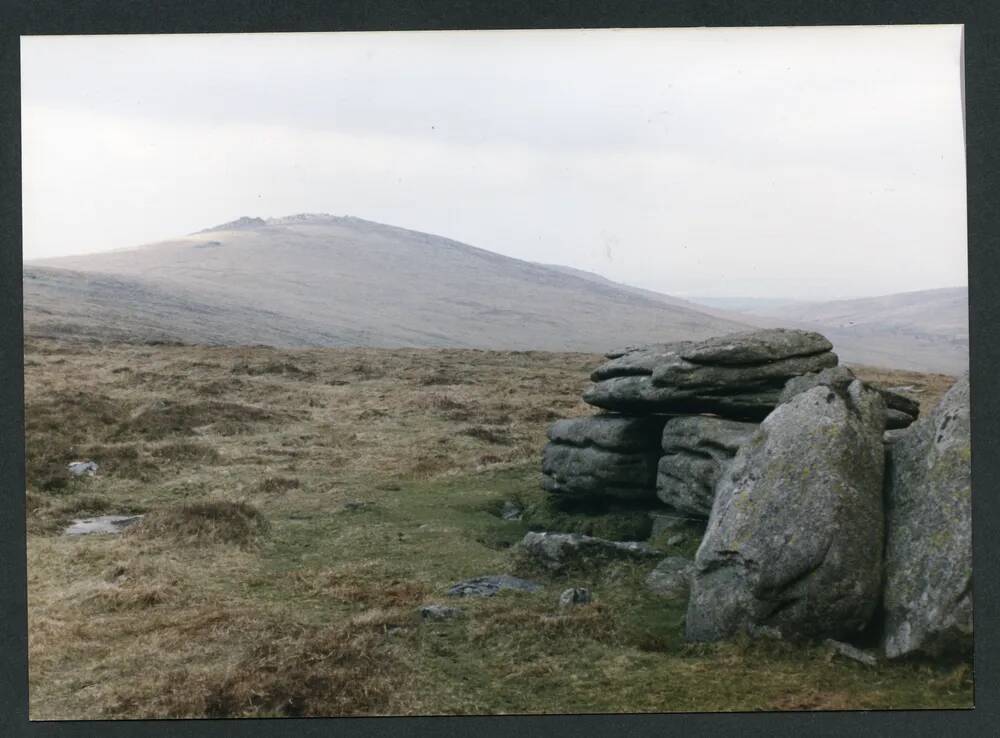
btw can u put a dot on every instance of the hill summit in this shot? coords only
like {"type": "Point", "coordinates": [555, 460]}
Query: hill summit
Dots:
{"type": "Point", "coordinates": [315, 279]}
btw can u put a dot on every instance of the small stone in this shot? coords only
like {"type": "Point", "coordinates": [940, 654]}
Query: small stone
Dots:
{"type": "Point", "coordinates": [439, 612]}
{"type": "Point", "coordinates": [511, 511]}
{"type": "Point", "coordinates": [107, 524]}
{"type": "Point", "coordinates": [575, 596]}
{"type": "Point", "coordinates": [671, 578]}
{"type": "Point", "coordinates": [82, 468]}
{"type": "Point", "coordinates": [488, 586]}
{"type": "Point", "coordinates": [676, 539]}
{"type": "Point", "coordinates": [848, 651]}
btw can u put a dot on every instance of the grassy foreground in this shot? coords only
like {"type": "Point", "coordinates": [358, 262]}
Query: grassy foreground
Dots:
{"type": "Point", "coordinates": [301, 505]}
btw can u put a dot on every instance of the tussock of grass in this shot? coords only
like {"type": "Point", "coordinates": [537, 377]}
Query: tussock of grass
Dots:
{"type": "Point", "coordinates": [362, 588]}
{"type": "Point", "coordinates": [286, 368]}
{"type": "Point", "coordinates": [163, 418]}
{"type": "Point", "coordinates": [271, 485]}
{"type": "Point", "coordinates": [289, 671]}
{"type": "Point", "coordinates": [213, 521]}
{"type": "Point", "coordinates": [500, 436]}
{"type": "Point", "coordinates": [616, 523]}
{"type": "Point", "coordinates": [57, 424]}
{"type": "Point", "coordinates": [365, 370]}
{"type": "Point", "coordinates": [445, 376]}
{"type": "Point", "coordinates": [187, 452]}
{"type": "Point", "coordinates": [115, 598]}
{"type": "Point", "coordinates": [123, 460]}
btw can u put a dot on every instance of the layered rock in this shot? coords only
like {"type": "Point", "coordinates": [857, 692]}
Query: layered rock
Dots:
{"type": "Point", "coordinates": [928, 563]}
{"type": "Point", "coordinates": [794, 540]}
{"type": "Point", "coordinates": [740, 376]}
{"type": "Point", "coordinates": [606, 456]}
{"type": "Point", "coordinates": [696, 450]}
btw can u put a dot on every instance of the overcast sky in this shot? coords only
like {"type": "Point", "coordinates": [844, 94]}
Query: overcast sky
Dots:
{"type": "Point", "coordinates": [801, 163]}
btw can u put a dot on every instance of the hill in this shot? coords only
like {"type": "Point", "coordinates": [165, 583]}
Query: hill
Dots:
{"type": "Point", "coordinates": [927, 330]}
{"type": "Point", "coordinates": [322, 280]}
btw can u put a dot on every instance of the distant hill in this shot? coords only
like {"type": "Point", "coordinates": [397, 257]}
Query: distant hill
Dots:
{"type": "Point", "coordinates": [927, 330]}
{"type": "Point", "coordinates": [323, 280]}
{"type": "Point", "coordinates": [742, 304]}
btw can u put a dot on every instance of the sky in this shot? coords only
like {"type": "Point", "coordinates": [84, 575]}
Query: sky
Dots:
{"type": "Point", "coordinates": [799, 163]}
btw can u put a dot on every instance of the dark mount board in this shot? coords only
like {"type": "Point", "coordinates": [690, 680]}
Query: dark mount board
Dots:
{"type": "Point", "coordinates": [982, 79]}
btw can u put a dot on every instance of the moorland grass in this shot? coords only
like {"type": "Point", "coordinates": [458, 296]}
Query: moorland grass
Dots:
{"type": "Point", "coordinates": [296, 521]}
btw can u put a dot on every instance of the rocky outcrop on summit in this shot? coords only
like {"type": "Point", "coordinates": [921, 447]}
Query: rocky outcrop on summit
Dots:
{"type": "Point", "coordinates": [928, 564]}
{"type": "Point", "coordinates": [740, 376]}
{"type": "Point", "coordinates": [610, 456]}
{"type": "Point", "coordinates": [696, 450]}
{"type": "Point", "coordinates": [242, 223]}
{"type": "Point", "coordinates": [794, 540]}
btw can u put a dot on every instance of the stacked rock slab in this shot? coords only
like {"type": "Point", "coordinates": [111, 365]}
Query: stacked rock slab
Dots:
{"type": "Point", "coordinates": [739, 376]}
{"type": "Point", "coordinates": [609, 456]}
{"type": "Point", "coordinates": [928, 563]}
{"type": "Point", "coordinates": [625, 457]}
{"type": "Point", "coordinates": [794, 540]}
{"type": "Point", "coordinates": [696, 450]}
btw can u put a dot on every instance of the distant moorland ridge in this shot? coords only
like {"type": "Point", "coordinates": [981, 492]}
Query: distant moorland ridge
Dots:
{"type": "Point", "coordinates": [325, 280]}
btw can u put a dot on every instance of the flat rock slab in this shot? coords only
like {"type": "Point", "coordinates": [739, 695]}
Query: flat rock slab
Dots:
{"type": "Point", "coordinates": [558, 550]}
{"type": "Point", "coordinates": [622, 433]}
{"type": "Point", "coordinates": [739, 376]}
{"type": "Point", "coordinates": [590, 471]}
{"type": "Point", "coordinates": [105, 524]}
{"type": "Point", "coordinates": [757, 347]}
{"type": "Point", "coordinates": [488, 586]}
{"type": "Point", "coordinates": [697, 449]}
{"type": "Point", "coordinates": [928, 562]}
{"type": "Point", "coordinates": [638, 394]}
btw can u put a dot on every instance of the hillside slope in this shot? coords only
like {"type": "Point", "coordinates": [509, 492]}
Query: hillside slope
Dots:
{"type": "Point", "coordinates": [319, 280]}
{"type": "Point", "coordinates": [925, 330]}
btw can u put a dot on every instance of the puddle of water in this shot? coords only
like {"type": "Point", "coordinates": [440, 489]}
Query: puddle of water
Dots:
{"type": "Point", "coordinates": [103, 524]}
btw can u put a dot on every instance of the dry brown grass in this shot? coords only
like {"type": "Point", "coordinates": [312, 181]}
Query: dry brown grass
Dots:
{"type": "Point", "coordinates": [272, 485]}
{"type": "Point", "coordinates": [197, 612]}
{"type": "Point", "coordinates": [209, 521]}
{"type": "Point", "coordinates": [288, 671]}
{"type": "Point", "coordinates": [927, 389]}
